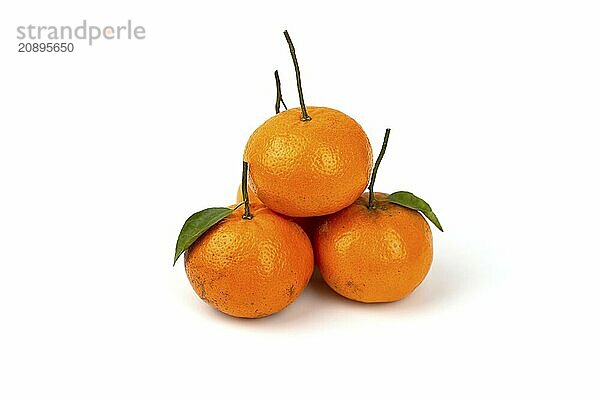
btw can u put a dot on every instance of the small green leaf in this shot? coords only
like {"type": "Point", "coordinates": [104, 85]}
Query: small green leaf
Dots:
{"type": "Point", "coordinates": [196, 225]}
{"type": "Point", "coordinates": [409, 200]}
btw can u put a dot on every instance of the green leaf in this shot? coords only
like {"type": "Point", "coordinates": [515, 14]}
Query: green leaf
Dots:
{"type": "Point", "coordinates": [196, 225]}
{"type": "Point", "coordinates": [409, 200]}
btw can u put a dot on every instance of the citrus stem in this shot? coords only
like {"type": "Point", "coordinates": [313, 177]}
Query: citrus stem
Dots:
{"type": "Point", "coordinates": [305, 116]}
{"type": "Point", "coordinates": [376, 167]}
{"type": "Point", "coordinates": [247, 213]}
{"type": "Point", "coordinates": [279, 99]}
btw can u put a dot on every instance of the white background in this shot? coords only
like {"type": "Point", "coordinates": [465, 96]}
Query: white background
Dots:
{"type": "Point", "coordinates": [104, 152]}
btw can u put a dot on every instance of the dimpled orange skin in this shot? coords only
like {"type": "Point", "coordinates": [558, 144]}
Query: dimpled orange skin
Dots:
{"type": "Point", "coordinates": [250, 268]}
{"type": "Point", "coordinates": [309, 168]}
{"type": "Point", "coordinates": [374, 256]}
{"type": "Point", "coordinates": [307, 224]}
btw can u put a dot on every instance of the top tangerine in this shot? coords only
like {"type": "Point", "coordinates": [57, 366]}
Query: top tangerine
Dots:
{"type": "Point", "coordinates": [309, 168]}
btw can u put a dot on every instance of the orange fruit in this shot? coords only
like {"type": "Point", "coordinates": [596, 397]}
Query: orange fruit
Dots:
{"type": "Point", "coordinates": [306, 168]}
{"type": "Point", "coordinates": [250, 268]}
{"type": "Point", "coordinates": [374, 255]}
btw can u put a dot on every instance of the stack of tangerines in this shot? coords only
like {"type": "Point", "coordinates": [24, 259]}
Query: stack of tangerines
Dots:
{"type": "Point", "coordinates": [300, 204]}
